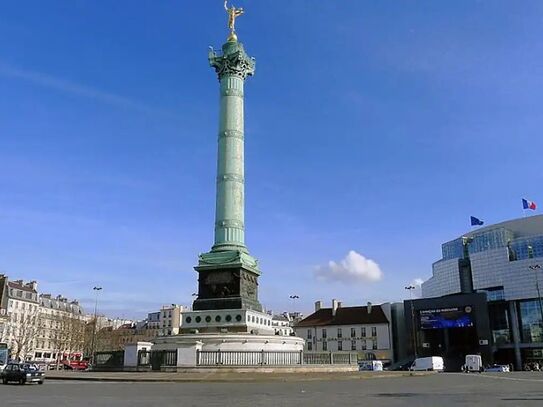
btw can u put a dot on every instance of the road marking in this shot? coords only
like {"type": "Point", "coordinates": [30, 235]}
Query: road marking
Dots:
{"type": "Point", "coordinates": [499, 378]}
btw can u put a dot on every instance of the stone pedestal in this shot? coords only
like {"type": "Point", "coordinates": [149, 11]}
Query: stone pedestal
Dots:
{"type": "Point", "coordinates": [187, 352]}
{"type": "Point", "coordinates": [227, 280]}
{"type": "Point", "coordinates": [131, 353]}
{"type": "Point", "coordinates": [236, 345]}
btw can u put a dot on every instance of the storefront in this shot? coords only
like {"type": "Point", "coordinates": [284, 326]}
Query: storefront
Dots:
{"type": "Point", "coordinates": [451, 327]}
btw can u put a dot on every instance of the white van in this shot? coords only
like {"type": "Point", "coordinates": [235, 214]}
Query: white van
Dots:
{"type": "Point", "coordinates": [371, 365]}
{"type": "Point", "coordinates": [430, 363]}
{"type": "Point", "coordinates": [473, 363]}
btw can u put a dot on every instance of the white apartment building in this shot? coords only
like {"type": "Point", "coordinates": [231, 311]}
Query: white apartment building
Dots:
{"type": "Point", "coordinates": [362, 329]}
{"type": "Point", "coordinates": [62, 329]}
{"type": "Point", "coordinates": [169, 319]}
{"type": "Point", "coordinates": [38, 327]}
{"type": "Point", "coordinates": [23, 311]}
{"type": "Point", "coordinates": [281, 324]}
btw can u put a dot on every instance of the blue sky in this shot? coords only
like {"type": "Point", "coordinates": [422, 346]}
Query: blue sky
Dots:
{"type": "Point", "coordinates": [372, 127]}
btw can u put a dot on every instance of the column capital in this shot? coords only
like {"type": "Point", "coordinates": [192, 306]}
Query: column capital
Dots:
{"type": "Point", "coordinates": [233, 61]}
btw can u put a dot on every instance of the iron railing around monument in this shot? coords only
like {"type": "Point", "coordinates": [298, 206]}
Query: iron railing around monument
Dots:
{"type": "Point", "coordinates": [273, 358]}
{"type": "Point", "coordinates": [113, 360]}
{"type": "Point", "coordinates": [156, 359]}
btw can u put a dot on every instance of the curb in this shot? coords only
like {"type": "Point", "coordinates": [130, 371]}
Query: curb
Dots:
{"type": "Point", "coordinates": [240, 379]}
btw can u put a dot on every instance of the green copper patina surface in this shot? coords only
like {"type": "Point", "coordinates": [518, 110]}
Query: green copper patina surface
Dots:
{"type": "Point", "coordinates": [232, 67]}
{"type": "Point", "coordinates": [228, 275]}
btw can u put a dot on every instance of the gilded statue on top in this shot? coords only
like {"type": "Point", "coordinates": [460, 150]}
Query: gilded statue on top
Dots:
{"type": "Point", "coordinates": [233, 13]}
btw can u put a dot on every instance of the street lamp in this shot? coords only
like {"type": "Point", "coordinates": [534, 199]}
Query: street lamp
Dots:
{"type": "Point", "coordinates": [411, 288]}
{"type": "Point", "coordinates": [534, 268]}
{"type": "Point", "coordinates": [93, 343]}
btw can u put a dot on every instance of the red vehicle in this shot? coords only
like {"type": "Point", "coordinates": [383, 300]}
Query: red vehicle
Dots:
{"type": "Point", "coordinates": [79, 364]}
{"type": "Point", "coordinates": [75, 364]}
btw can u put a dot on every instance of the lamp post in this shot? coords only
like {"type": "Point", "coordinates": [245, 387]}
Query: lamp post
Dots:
{"type": "Point", "coordinates": [411, 288]}
{"type": "Point", "coordinates": [535, 268]}
{"type": "Point", "coordinates": [93, 342]}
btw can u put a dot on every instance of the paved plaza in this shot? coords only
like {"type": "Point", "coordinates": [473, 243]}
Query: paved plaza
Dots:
{"type": "Point", "coordinates": [514, 389]}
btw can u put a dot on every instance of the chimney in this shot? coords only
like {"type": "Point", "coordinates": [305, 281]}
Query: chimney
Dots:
{"type": "Point", "coordinates": [339, 304]}
{"type": "Point", "coordinates": [33, 285]}
{"type": "Point", "coordinates": [335, 306]}
{"type": "Point", "coordinates": [318, 305]}
{"type": "Point", "coordinates": [369, 307]}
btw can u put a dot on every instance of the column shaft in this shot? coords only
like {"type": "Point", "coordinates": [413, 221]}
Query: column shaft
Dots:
{"type": "Point", "coordinates": [230, 205]}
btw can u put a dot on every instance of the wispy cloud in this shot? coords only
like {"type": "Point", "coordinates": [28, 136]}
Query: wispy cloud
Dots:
{"type": "Point", "coordinates": [417, 283]}
{"type": "Point", "coordinates": [351, 269]}
{"type": "Point", "coordinates": [62, 85]}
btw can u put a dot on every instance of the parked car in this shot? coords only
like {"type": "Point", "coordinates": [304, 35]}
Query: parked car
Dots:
{"type": "Point", "coordinates": [434, 363]}
{"type": "Point", "coordinates": [22, 373]}
{"type": "Point", "coordinates": [497, 368]}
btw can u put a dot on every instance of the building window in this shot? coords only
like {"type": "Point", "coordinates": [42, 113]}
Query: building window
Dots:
{"type": "Point", "coordinates": [353, 332]}
{"type": "Point", "coordinates": [339, 333]}
{"type": "Point", "coordinates": [309, 334]}
{"type": "Point", "coordinates": [353, 345]}
{"type": "Point", "coordinates": [363, 332]}
{"type": "Point", "coordinates": [374, 344]}
{"type": "Point", "coordinates": [324, 332]}
{"type": "Point", "coordinates": [530, 321]}
{"type": "Point", "coordinates": [373, 331]}
{"type": "Point", "coordinates": [364, 345]}
{"type": "Point", "coordinates": [339, 345]}
{"type": "Point", "coordinates": [325, 345]}
{"type": "Point", "coordinates": [309, 346]}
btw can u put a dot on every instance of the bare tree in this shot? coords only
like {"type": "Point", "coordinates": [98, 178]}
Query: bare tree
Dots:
{"type": "Point", "coordinates": [25, 328]}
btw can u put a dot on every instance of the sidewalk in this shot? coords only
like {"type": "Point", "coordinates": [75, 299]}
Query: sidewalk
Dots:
{"type": "Point", "coordinates": [220, 376]}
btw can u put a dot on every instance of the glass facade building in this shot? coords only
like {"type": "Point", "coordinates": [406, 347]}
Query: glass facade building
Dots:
{"type": "Point", "coordinates": [501, 261]}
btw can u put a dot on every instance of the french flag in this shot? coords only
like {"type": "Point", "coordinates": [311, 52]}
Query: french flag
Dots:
{"type": "Point", "coordinates": [528, 205]}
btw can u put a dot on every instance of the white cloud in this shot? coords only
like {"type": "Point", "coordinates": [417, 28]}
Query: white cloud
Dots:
{"type": "Point", "coordinates": [417, 283]}
{"type": "Point", "coordinates": [353, 268]}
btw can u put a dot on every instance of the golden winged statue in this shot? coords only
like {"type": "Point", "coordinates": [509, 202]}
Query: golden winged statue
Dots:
{"type": "Point", "coordinates": [233, 13]}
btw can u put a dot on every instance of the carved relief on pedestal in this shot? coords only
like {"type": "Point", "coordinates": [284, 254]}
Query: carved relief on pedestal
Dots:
{"type": "Point", "coordinates": [219, 284]}
{"type": "Point", "coordinates": [249, 286]}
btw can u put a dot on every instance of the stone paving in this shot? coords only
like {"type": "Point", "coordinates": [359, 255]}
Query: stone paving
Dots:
{"type": "Point", "coordinates": [219, 376]}
{"type": "Point", "coordinates": [436, 390]}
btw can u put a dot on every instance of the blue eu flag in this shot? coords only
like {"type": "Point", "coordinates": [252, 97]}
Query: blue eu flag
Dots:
{"type": "Point", "coordinates": [476, 221]}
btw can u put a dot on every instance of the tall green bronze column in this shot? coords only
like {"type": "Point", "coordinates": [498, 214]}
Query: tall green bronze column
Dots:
{"type": "Point", "coordinates": [232, 67]}
{"type": "Point", "coordinates": [228, 275]}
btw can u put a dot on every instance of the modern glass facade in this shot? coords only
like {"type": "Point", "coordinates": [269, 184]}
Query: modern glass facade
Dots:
{"type": "Point", "coordinates": [488, 240]}
{"type": "Point", "coordinates": [499, 260]}
{"type": "Point", "coordinates": [455, 249]}
{"type": "Point", "coordinates": [531, 323]}
{"type": "Point", "coordinates": [526, 248]}
{"type": "Point", "coordinates": [500, 323]}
